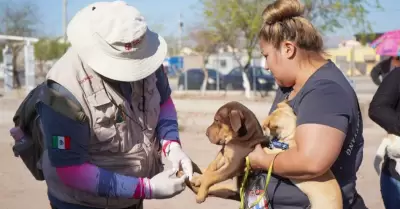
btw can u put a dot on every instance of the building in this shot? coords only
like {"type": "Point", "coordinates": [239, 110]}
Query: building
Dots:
{"type": "Point", "coordinates": [224, 62]}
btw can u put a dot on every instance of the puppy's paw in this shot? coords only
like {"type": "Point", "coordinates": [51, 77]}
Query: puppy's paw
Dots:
{"type": "Point", "coordinates": [200, 199]}
{"type": "Point", "coordinates": [194, 188]}
{"type": "Point", "coordinates": [196, 181]}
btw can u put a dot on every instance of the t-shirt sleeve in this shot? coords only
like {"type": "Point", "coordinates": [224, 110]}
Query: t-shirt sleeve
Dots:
{"type": "Point", "coordinates": [326, 103]}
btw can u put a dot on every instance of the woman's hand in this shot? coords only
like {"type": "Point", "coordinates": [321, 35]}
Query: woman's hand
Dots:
{"type": "Point", "coordinates": [259, 159]}
{"type": "Point", "coordinates": [318, 147]}
{"type": "Point", "coordinates": [17, 133]}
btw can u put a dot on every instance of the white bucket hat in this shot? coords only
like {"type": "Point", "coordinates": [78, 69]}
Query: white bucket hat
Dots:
{"type": "Point", "coordinates": [113, 39]}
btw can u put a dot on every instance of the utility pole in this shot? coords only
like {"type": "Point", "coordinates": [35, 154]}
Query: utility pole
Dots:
{"type": "Point", "coordinates": [180, 33]}
{"type": "Point", "coordinates": [65, 3]}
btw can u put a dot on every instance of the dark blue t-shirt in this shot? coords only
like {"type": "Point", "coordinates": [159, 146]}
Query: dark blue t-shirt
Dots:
{"type": "Point", "coordinates": [327, 98]}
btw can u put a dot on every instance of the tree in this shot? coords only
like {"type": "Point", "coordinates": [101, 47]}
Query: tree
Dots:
{"type": "Point", "coordinates": [18, 20]}
{"type": "Point", "coordinates": [236, 20]}
{"type": "Point", "coordinates": [330, 15]}
{"type": "Point", "coordinates": [206, 42]}
{"type": "Point", "coordinates": [49, 49]}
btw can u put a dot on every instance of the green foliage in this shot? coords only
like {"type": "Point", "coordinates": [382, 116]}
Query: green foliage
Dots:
{"type": "Point", "coordinates": [49, 49]}
{"type": "Point", "coordinates": [330, 15]}
{"type": "Point", "coordinates": [234, 20]}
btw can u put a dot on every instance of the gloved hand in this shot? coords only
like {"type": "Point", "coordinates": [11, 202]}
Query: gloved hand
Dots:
{"type": "Point", "coordinates": [166, 185]}
{"type": "Point", "coordinates": [175, 154]}
{"type": "Point", "coordinates": [17, 133]}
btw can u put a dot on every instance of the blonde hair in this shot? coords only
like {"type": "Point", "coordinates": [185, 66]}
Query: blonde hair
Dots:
{"type": "Point", "coordinates": [283, 21]}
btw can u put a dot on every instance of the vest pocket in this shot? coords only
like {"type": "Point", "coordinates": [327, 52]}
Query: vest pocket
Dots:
{"type": "Point", "coordinates": [106, 139]}
{"type": "Point", "coordinates": [104, 123]}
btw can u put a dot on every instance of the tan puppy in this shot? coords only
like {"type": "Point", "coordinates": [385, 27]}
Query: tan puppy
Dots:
{"type": "Point", "coordinates": [323, 191]}
{"type": "Point", "coordinates": [390, 146]}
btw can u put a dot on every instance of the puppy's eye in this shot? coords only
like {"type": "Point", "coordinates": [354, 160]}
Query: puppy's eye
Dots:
{"type": "Point", "coordinates": [273, 127]}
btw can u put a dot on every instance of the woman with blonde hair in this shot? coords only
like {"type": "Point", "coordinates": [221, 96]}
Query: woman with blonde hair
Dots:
{"type": "Point", "coordinates": [329, 124]}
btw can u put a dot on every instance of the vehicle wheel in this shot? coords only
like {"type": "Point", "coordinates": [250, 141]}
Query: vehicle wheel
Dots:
{"type": "Point", "coordinates": [229, 87]}
{"type": "Point", "coordinates": [181, 87]}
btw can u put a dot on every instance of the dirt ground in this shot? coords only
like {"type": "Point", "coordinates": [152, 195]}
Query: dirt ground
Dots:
{"type": "Point", "coordinates": [20, 190]}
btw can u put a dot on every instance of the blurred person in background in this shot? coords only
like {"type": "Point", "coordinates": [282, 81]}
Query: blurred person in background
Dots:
{"type": "Point", "coordinates": [379, 72]}
{"type": "Point", "coordinates": [384, 110]}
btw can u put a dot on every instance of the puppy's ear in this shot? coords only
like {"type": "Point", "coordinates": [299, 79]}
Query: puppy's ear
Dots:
{"type": "Point", "coordinates": [235, 117]}
{"type": "Point", "coordinates": [265, 123]}
{"type": "Point", "coordinates": [265, 126]}
{"type": "Point", "coordinates": [283, 104]}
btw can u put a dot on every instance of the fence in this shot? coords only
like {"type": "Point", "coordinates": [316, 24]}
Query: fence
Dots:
{"type": "Point", "coordinates": [192, 80]}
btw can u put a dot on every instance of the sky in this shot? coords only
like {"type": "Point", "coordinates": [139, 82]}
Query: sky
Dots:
{"type": "Point", "coordinates": [163, 15]}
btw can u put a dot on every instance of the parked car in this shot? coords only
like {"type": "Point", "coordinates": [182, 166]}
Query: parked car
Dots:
{"type": "Point", "coordinates": [259, 77]}
{"type": "Point", "coordinates": [195, 79]}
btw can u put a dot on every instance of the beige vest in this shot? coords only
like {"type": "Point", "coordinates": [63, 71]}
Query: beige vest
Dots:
{"type": "Point", "coordinates": [124, 147]}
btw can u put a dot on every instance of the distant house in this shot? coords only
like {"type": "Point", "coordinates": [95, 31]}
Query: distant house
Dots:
{"type": "Point", "coordinates": [224, 62]}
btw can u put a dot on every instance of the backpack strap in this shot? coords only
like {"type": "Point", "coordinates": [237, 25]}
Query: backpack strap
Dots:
{"type": "Point", "coordinates": [64, 102]}
{"type": "Point", "coordinates": [63, 91]}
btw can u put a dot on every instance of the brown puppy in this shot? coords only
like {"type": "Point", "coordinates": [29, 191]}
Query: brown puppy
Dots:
{"type": "Point", "coordinates": [238, 131]}
{"type": "Point", "coordinates": [323, 191]}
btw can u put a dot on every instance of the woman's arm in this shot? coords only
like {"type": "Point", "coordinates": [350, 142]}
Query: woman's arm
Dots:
{"type": "Point", "coordinates": [322, 124]}
{"type": "Point", "coordinates": [382, 109]}
{"type": "Point", "coordinates": [318, 147]}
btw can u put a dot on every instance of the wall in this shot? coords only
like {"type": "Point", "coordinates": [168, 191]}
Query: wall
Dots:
{"type": "Point", "coordinates": [362, 57]}
{"type": "Point", "coordinates": [192, 61]}
{"type": "Point", "coordinates": [225, 62]}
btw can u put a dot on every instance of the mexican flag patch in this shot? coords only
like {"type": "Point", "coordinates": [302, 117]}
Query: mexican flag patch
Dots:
{"type": "Point", "coordinates": [61, 142]}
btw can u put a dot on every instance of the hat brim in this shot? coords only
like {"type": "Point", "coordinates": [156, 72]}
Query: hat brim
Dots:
{"type": "Point", "coordinates": [144, 62]}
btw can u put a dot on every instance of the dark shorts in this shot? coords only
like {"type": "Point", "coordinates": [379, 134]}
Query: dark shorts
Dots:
{"type": "Point", "coordinates": [132, 207]}
{"type": "Point", "coordinates": [358, 203]}
{"type": "Point", "coordinates": [58, 204]}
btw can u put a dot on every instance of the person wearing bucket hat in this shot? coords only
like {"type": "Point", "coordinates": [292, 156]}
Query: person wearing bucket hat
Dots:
{"type": "Point", "coordinates": [111, 158]}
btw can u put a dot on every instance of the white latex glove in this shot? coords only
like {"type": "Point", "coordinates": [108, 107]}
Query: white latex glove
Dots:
{"type": "Point", "coordinates": [166, 184]}
{"type": "Point", "coordinates": [175, 154]}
